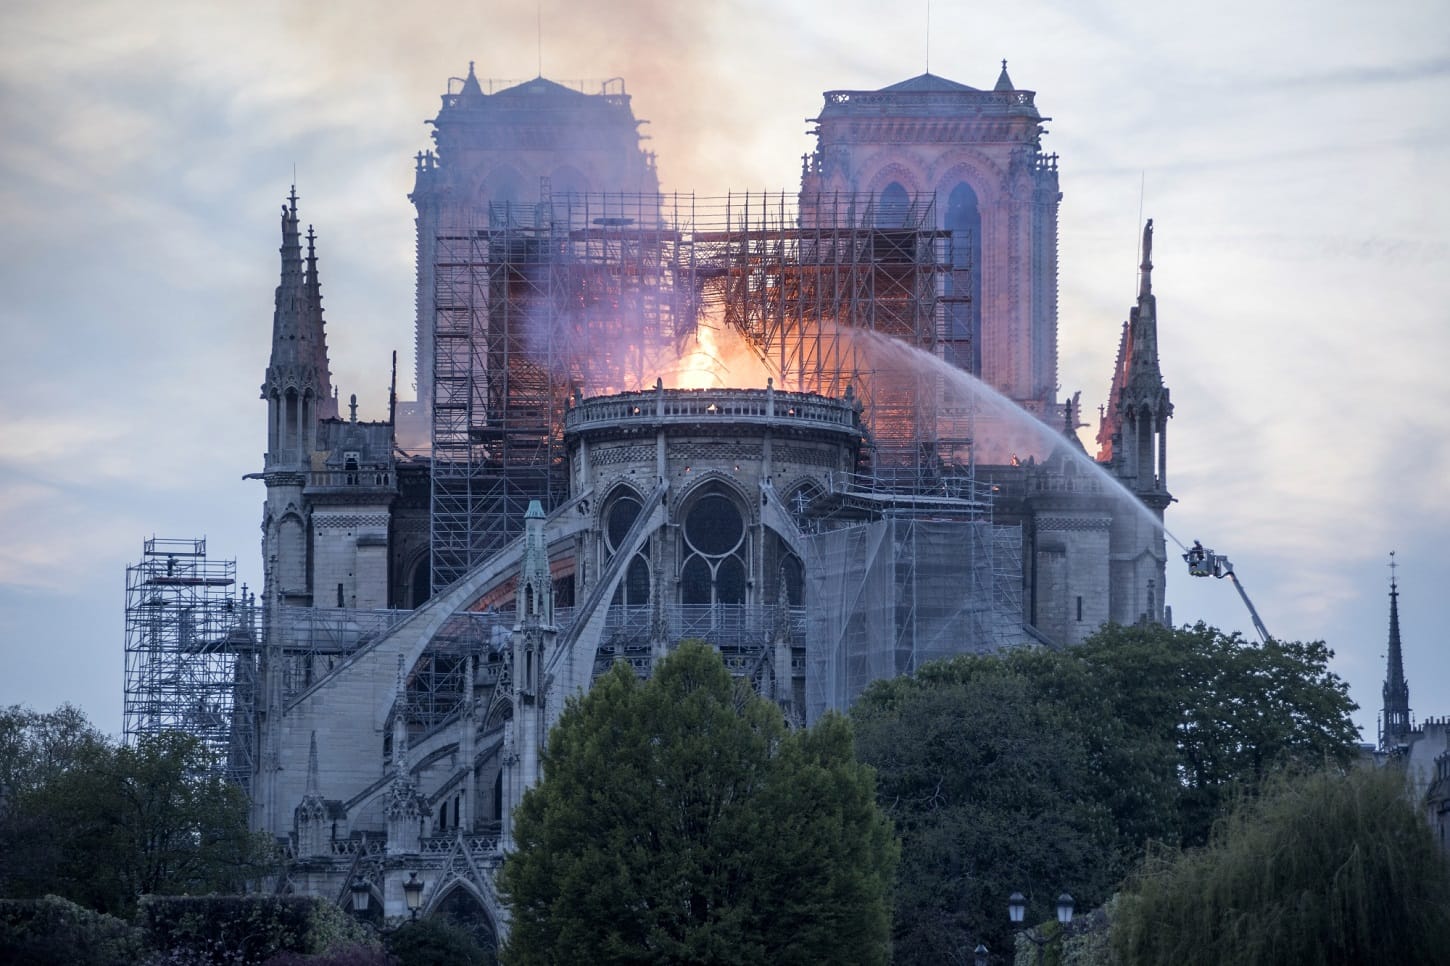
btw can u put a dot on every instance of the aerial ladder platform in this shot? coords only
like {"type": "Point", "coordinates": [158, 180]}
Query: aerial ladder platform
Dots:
{"type": "Point", "coordinates": [1203, 562]}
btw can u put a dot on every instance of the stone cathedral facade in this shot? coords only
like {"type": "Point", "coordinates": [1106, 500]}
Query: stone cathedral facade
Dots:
{"type": "Point", "coordinates": [401, 706]}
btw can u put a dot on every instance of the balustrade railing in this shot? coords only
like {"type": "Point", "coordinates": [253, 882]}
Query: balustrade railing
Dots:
{"type": "Point", "coordinates": [704, 405]}
{"type": "Point", "coordinates": [357, 477]}
{"type": "Point", "coordinates": [477, 845]}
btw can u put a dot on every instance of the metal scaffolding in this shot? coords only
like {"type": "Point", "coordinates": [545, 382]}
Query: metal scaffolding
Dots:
{"type": "Point", "coordinates": [191, 651]}
{"type": "Point", "coordinates": [595, 294]}
{"type": "Point", "coordinates": [575, 294]}
{"type": "Point", "coordinates": [804, 283]}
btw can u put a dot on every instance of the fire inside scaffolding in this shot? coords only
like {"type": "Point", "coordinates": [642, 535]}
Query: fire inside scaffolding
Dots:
{"type": "Point", "coordinates": [585, 294]}
{"type": "Point", "coordinates": [191, 655]}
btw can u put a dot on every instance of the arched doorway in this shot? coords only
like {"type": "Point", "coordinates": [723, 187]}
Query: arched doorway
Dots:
{"type": "Point", "coordinates": [462, 908]}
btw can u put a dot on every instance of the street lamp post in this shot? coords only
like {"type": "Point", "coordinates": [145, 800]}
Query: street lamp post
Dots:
{"type": "Point", "coordinates": [360, 896]}
{"type": "Point", "coordinates": [413, 894]}
{"type": "Point", "coordinates": [1017, 910]}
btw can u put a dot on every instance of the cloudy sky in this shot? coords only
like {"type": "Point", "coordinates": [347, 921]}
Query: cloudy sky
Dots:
{"type": "Point", "coordinates": [1293, 154]}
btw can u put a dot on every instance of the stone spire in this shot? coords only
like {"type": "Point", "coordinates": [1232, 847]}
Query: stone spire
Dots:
{"type": "Point", "coordinates": [297, 386]}
{"type": "Point", "coordinates": [1143, 368]}
{"type": "Point", "coordinates": [1395, 718]}
{"type": "Point", "coordinates": [312, 830]}
{"type": "Point", "coordinates": [289, 308]}
{"type": "Point", "coordinates": [316, 332]}
{"type": "Point", "coordinates": [1004, 83]}
{"type": "Point", "coordinates": [1109, 436]}
{"type": "Point", "coordinates": [403, 808]}
{"type": "Point", "coordinates": [312, 781]}
{"type": "Point", "coordinates": [1135, 431]}
{"type": "Point", "coordinates": [294, 351]}
{"type": "Point", "coordinates": [471, 90]}
{"type": "Point", "coordinates": [535, 604]}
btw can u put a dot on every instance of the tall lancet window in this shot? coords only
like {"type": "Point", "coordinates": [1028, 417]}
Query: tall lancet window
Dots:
{"type": "Point", "coordinates": [893, 206]}
{"type": "Point", "coordinates": [619, 518]}
{"type": "Point", "coordinates": [964, 335]}
{"type": "Point", "coordinates": [503, 194]}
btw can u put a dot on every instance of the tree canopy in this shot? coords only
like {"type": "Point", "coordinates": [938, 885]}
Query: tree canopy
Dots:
{"type": "Point", "coordinates": [103, 824]}
{"type": "Point", "coordinates": [1046, 771]}
{"type": "Point", "coordinates": [679, 821]}
{"type": "Point", "coordinates": [1325, 868]}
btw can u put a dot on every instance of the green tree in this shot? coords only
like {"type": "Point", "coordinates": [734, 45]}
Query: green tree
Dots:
{"type": "Point", "coordinates": [36, 749]}
{"type": "Point", "coordinates": [103, 824]}
{"type": "Point", "coordinates": [679, 821]}
{"type": "Point", "coordinates": [1326, 868]}
{"type": "Point", "coordinates": [162, 818]}
{"type": "Point", "coordinates": [1211, 714]}
{"type": "Point", "coordinates": [1041, 771]}
{"type": "Point", "coordinates": [990, 781]}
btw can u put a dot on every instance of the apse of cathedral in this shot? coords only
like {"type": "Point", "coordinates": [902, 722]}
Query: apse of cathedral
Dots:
{"type": "Point", "coordinates": [818, 429]}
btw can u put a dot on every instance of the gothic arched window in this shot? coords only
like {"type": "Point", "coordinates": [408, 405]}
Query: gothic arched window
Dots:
{"type": "Point", "coordinates": [964, 336]}
{"type": "Point", "coordinates": [619, 516]}
{"type": "Point", "coordinates": [793, 579]}
{"type": "Point", "coordinates": [714, 551]}
{"type": "Point", "coordinates": [893, 206]}
{"type": "Point", "coordinates": [420, 586]}
{"type": "Point", "coordinates": [567, 180]}
{"type": "Point", "coordinates": [503, 192]}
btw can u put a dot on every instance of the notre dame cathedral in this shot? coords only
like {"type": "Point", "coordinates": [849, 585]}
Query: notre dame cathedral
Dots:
{"type": "Point", "coordinates": [820, 429]}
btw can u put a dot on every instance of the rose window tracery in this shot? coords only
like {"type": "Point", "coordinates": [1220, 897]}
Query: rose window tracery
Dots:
{"type": "Point", "coordinates": [714, 552]}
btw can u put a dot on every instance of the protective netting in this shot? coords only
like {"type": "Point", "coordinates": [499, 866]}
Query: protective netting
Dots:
{"type": "Point", "coordinates": [887, 596]}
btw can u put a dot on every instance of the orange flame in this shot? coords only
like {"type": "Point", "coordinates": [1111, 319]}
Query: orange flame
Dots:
{"type": "Point", "coordinates": [720, 358]}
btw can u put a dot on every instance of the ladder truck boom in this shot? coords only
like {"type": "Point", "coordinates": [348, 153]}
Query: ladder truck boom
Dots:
{"type": "Point", "coordinates": [1203, 562]}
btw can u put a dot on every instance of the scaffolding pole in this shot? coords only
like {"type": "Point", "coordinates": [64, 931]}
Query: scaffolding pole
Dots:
{"type": "Point", "coordinates": [191, 652]}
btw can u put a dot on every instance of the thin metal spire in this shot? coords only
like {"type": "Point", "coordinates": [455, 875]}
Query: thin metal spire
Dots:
{"type": "Point", "coordinates": [1395, 717]}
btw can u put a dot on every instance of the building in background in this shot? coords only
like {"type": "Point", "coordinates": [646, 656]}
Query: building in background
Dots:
{"type": "Point", "coordinates": [1423, 749]}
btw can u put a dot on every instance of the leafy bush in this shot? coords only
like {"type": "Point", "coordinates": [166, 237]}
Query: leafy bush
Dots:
{"type": "Point", "coordinates": [348, 955]}
{"type": "Point", "coordinates": [52, 930]}
{"type": "Point", "coordinates": [436, 942]}
{"type": "Point", "coordinates": [244, 929]}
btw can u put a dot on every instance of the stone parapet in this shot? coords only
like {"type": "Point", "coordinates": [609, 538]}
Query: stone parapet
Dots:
{"type": "Point", "coordinates": [693, 408]}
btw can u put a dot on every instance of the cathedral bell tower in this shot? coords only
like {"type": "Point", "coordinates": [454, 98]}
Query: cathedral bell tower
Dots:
{"type": "Point", "coordinates": [932, 153]}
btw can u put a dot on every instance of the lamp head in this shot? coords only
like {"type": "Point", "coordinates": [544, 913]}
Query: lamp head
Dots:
{"type": "Point", "coordinates": [413, 892]}
{"type": "Point", "coordinates": [360, 895]}
{"type": "Point", "coordinates": [1017, 907]}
